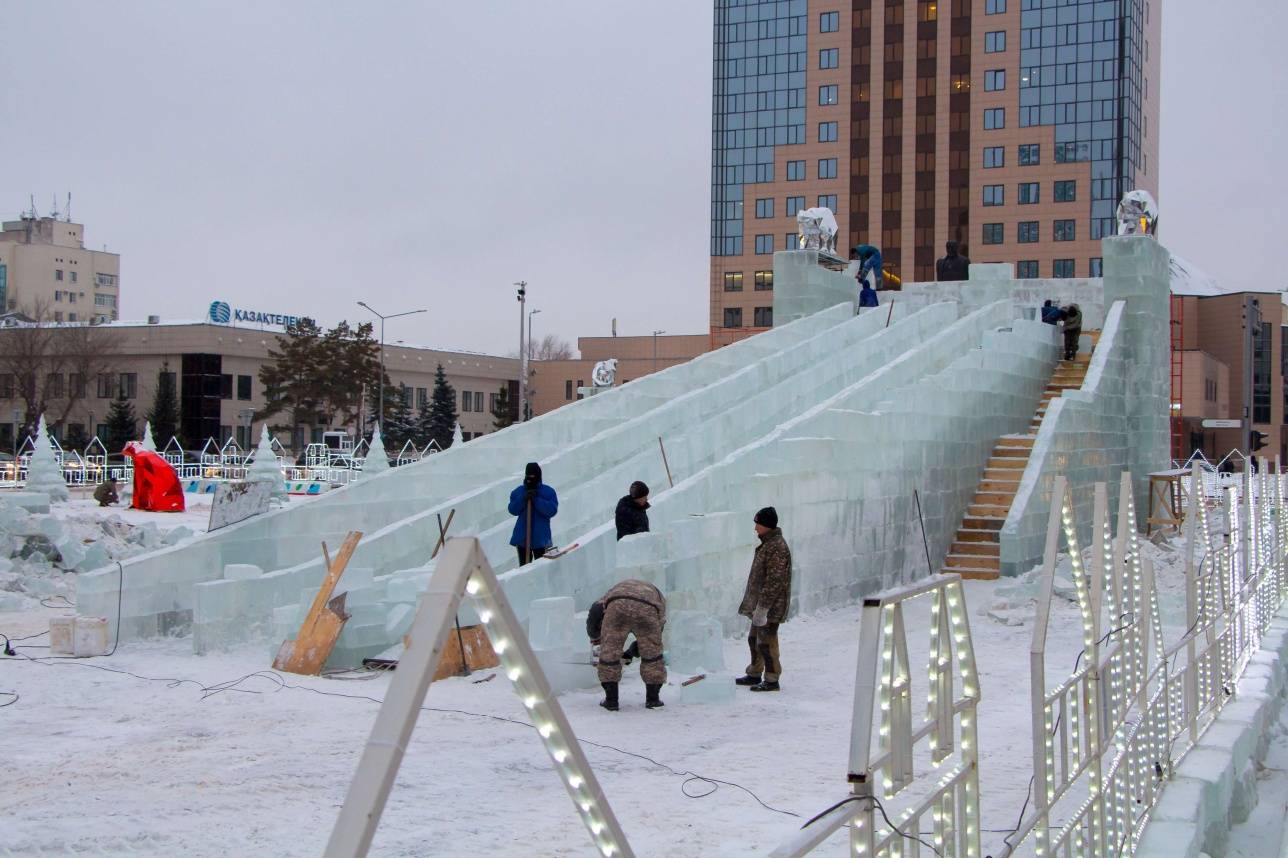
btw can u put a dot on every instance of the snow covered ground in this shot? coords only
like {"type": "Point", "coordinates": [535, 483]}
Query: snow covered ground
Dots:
{"type": "Point", "coordinates": [215, 755]}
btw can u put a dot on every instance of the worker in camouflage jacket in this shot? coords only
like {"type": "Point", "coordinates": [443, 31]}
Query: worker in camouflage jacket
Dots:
{"type": "Point", "coordinates": [629, 608]}
{"type": "Point", "coordinates": [765, 601]}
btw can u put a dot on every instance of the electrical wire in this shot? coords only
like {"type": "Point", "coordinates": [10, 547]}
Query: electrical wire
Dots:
{"type": "Point", "coordinates": [880, 807]}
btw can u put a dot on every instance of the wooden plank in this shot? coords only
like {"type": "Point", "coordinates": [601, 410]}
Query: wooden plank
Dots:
{"type": "Point", "coordinates": [325, 620]}
{"type": "Point", "coordinates": [478, 653]}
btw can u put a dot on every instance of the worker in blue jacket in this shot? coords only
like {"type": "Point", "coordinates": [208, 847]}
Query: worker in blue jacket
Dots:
{"type": "Point", "coordinates": [534, 503]}
{"type": "Point", "coordinates": [869, 260]}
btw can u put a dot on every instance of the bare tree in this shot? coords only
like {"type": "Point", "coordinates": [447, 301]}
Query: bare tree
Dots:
{"type": "Point", "coordinates": [53, 365]}
{"type": "Point", "coordinates": [551, 347]}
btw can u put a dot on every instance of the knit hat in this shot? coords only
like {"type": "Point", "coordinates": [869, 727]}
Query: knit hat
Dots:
{"type": "Point", "coordinates": [638, 490]}
{"type": "Point", "coordinates": [532, 470]}
{"type": "Point", "coordinates": [767, 517]}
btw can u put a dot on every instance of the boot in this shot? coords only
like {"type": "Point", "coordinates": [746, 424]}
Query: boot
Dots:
{"type": "Point", "coordinates": [749, 679]}
{"type": "Point", "coordinates": [767, 685]}
{"type": "Point", "coordinates": [652, 700]}
{"type": "Point", "coordinates": [610, 696]}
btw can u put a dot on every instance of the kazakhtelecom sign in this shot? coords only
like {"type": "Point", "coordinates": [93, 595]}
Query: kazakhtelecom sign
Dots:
{"type": "Point", "coordinates": [222, 313]}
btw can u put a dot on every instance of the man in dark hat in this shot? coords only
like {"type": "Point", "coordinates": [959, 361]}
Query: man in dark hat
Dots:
{"type": "Point", "coordinates": [632, 515]}
{"type": "Point", "coordinates": [534, 503]}
{"type": "Point", "coordinates": [765, 601]}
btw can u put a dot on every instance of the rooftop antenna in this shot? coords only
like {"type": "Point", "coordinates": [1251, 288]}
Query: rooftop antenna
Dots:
{"type": "Point", "coordinates": [33, 207]}
{"type": "Point", "coordinates": [67, 213]}
{"type": "Point", "coordinates": [54, 212]}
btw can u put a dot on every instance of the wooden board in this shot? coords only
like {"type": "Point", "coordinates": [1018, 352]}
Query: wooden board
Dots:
{"type": "Point", "coordinates": [323, 623]}
{"type": "Point", "coordinates": [478, 652]}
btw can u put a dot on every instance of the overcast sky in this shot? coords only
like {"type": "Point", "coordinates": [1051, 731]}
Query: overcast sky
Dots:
{"type": "Point", "coordinates": [297, 157]}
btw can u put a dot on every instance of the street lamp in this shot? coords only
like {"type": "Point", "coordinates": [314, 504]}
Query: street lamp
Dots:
{"type": "Point", "coordinates": [381, 412]}
{"type": "Point", "coordinates": [522, 298]}
{"type": "Point", "coordinates": [655, 333]}
{"type": "Point", "coordinates": [528, 376]}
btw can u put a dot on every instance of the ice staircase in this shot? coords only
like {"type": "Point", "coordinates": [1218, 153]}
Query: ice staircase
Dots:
{"type": "Point", "coordinates": [976, 551]}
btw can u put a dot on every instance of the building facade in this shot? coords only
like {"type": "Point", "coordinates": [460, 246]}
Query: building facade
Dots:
{"type": "Point", "coordinates": [556, 382]}
{"type": "Point", "coordinates": [216, 371]}
{"type": "Point", "coordinates": [1010, 126]}
{"type": "Point", "coordinates": [47, 272]}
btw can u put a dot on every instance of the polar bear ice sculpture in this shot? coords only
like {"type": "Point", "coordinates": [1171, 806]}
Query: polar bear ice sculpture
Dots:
{"type": "Point", "coordinates": [1137, 214]}
{"type": "Point", "coordinates": [604, 373]}
{"type": "Point", "coordinates": [817, 229]}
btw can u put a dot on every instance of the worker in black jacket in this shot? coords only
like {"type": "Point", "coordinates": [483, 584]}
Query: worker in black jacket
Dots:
{"type": "Point", "coordinates": [631, 511]}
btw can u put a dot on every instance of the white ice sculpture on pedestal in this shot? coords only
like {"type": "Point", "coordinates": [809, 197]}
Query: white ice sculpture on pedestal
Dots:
{"type": "Point", "coordinates": [457, 437]}
{"type": "Point", "coordinates": [605, 373]}
{"type": "Point", "coordinates": [148, 442]}
{"type": "Point", "coordinates": [817, 229]}
{"type": "Point", "coordinates": [43, 473]}
{"type": "Point", "coordinates": [264, 467]}
{"type": "Point", "coordinates": [1137, 214]}
{"type": "Point", "coordinates": [377, 460]}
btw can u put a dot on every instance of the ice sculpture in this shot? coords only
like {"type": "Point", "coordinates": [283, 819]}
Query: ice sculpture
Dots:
{"type": "Point", "coordinates": [265, 468]}
{"type": "Point", "coordinates": [1137, 214]}
{"type": "Point", "coordinates": [43, 472]}
{"type": "Point", "coordinates": [148, 443]}
{"type": "Point", "coordinates": [156, 485]}
{"type": "Point", "coordinates": [604, 373]}
{"type": "Point", "coordinates": [377, 459]}
{"type": "Point", "coordinates": [458, 437]}
{"type": "Point", "coordinates": [817, 229]}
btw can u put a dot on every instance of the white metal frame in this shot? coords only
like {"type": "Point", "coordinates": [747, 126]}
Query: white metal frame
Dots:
{"type": "Point", "coordinates": [462, 567]}
{"type": "Point", "coordinates": [949, 790]}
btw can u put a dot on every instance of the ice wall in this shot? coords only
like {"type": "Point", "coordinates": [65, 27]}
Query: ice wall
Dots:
{"type": "Point", "coordinates": [996, 282]}
{"type": "Point", "coordinates": [802, 287]}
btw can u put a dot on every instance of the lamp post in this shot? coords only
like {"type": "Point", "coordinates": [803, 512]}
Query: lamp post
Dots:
{"type": "Point", "coordinates": [522, 298]}
{"type": "Point", "coordinates": [381, 418]}
{"type": "Point", "coordinates": [655, 333]}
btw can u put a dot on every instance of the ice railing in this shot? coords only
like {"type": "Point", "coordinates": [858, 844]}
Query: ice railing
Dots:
{"type": "Point", "coordinates": [1107, 738]}
{"type": "Point", "coordinates": [917, 767]}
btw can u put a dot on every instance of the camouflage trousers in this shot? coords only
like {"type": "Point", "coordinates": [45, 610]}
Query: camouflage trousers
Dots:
{"type": "Point", "coordinates": [625, 617]}
{"type": "Point", "coordinates": [763, 643]}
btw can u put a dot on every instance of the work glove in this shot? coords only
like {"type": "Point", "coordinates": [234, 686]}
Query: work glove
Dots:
{"type": "Point", "coordinates": [760, 617]}
{"type": "Point", "coordinates": [530, 492]}
{"type": "Point", "coordinates": [594, 653]}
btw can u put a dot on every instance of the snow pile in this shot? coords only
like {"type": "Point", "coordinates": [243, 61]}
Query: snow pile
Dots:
{"type": "Point", "coordinates": [39, 553]}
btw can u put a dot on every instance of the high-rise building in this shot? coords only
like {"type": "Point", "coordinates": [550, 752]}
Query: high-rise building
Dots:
{"type": "Point", "coordinates": [1010, 126]}
{"type": "Point", "coordinates": [47, 272]}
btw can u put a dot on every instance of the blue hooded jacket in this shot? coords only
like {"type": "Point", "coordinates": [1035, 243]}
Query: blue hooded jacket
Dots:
{"type": "Point", "coordinates": [544, 507]}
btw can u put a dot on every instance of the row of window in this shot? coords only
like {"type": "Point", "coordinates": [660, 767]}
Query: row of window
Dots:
{"type": "Point", "coordinates": [473, 400]}
{"type": "Point", "coordinates": [1030, 155]}
{"type": "Point", "coordinates": [1027, 269]}
{"type": "Point", "coordinates": [59, 385]}
{"type": "Point", "coordinates": [1030, 193]}
{"type": "Point", "coordinates": [58, 275]}
{"type": "Point", "coordinates": [1026, 232]}
{"type": "Point", "coordinates": [762, 317]}
{"type": "Point", "coordinates": [765, 243]}
{"type": "Point", "coordinates": [764, 281]}
{"type": "Point", "coordinates": [796, 169]}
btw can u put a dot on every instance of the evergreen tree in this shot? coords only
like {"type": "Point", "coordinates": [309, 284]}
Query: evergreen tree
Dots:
{"type": "Point", "coordinates": [122, 425]}
{"type": "Point", "coordinates": [442, 411]}
{"type": "Point", "coordinates": [399, 426]}
{"type": "Point", "coordinates": [424, 416]}
{"type": "Point", "coordinates": [164, 414]}
{"type": "Point", "coordinates": [75, 438]}
{"type": "Point", "coordinates": [501, 414]}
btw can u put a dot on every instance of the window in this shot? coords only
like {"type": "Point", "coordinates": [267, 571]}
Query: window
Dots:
{"type": "Point", "coordinates": [1029, 193]}
{"type": "Point", "coordinates": [130, 384]}
{"type": "Point", "coordinates": [6, 386]}
{"type": "Point", "coordinates": [827, 132]}
{"type": "Point", "coordinates": [58, 274]}
{"type": "Point", "coordinates": [993, 233]}
{"type": "Point", "coordinates": [76, 385]}
{"type": "Point", "coordinates": [994, 118]}
{"type": "Point", "coordinates": [794, 206]}
{"type": "Point", "coordinates": [1026, 269]}
{"type": "Point", "coordinates": [243, 387]}
{"type": "Point", "coordinates": [733, 281]}
{"type": "Point", "coordinates": [994, 156]}
{"type": "Point", "coordinates": [71, 317]}
{"type": "Point", "coordinates": [827, 94]}
{"type": "Point", "coordinates": [1065, 230]}
{"type": "Point", "coordinates": [54, 385]}
{"type": "Point", "coordinates": [1062, 268]}
{"type": "Point", "coordinates": [225, 386]}
{"type": "Point", "coordinates": [764, 281]}
{"type": "Point", "coordinates": [422, 397]}
{"type": "Point", "coordinates": [104, 279]}
{"type": "Point", "coordinates": [1096, 267]}
{"type": "Point", "coordinates": [827, 168]}
{"type": "Point", "coordinates": [467, 400]}
{"type": "Point", "coordinates": [106, 386]}
{"type": "Point", "coordinates": [733, 317]}
{"type": "Point", "coordinates": [927, 10]}
{"type": "Point", "coordinates": [796, 171]}
{"type": "Point", "coordinates": [1027, 232]}
{"type": "Point", "coordinates": [764, 317]}
{"type": "Point", "coordinates": [829, 58]}
{"type": "Point", "coordinates": [478, 401]}
{"type": "Point", "coordinates": [829, 22]}
{"type": "Point", "coordinates": [764, 244]}
{"type": "Point", "coordinates": [791, 241]}
{"type": "Point", "coordinates": [827, 201]}
{"type": "Point", "coordinates": [994, 7]}
{"type": "Point", "coordinates": [994, 195]}
{"type": "Point", "coordinates": [765, 208]}
{"type": "Point", "coordinates": [1030, 154]}
{"type": "Point", "coordinates": [568, 390]}
{"type": "Point", "coordinates": [104, 300]}
{"type": "Point", "coordinates": [995, 42]}
{"type": "Point", "coordinates": [1066, 192]}
{"type": "Point", "coordinates": [994, 80]}
{"type": "Point", "coordinates": [73, 273]}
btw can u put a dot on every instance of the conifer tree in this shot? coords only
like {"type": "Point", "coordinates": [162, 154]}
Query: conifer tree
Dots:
{"type": "Point", "coordinates": [501, 414]}
{"type": "Point", "coordinates": [442, 411]}
{"type": "Point", "coordinates": [122, 425]}
{"type": "Point", "coordinates": [164, 414]}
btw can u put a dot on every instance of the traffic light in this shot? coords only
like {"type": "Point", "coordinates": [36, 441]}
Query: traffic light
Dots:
{"type": "Point", "coordinates": [1258, 440]}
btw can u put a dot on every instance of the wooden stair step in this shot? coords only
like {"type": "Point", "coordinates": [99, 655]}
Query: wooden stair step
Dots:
{"type": "Point", "coordinates": [967, 533]}
{"type": "Point", "coordinates": [992, 524]}
{"type": "Point", "coordinates": [978, 549]}
{"type": "Point", "coordinates": [1003, 475]}
{"type": "Point", "coordinates": [1012, 463]}
{"type": "Point", "coordinates": [987, 510]}
{"type": "Point", "coordinates": [977, 574]}
{"type": "Point", "coordinates": [1000, 500]}
{"type": "Point", "coordinates": [1017, 440]}
{"type": "Point", "coordinates": [972, 561]}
